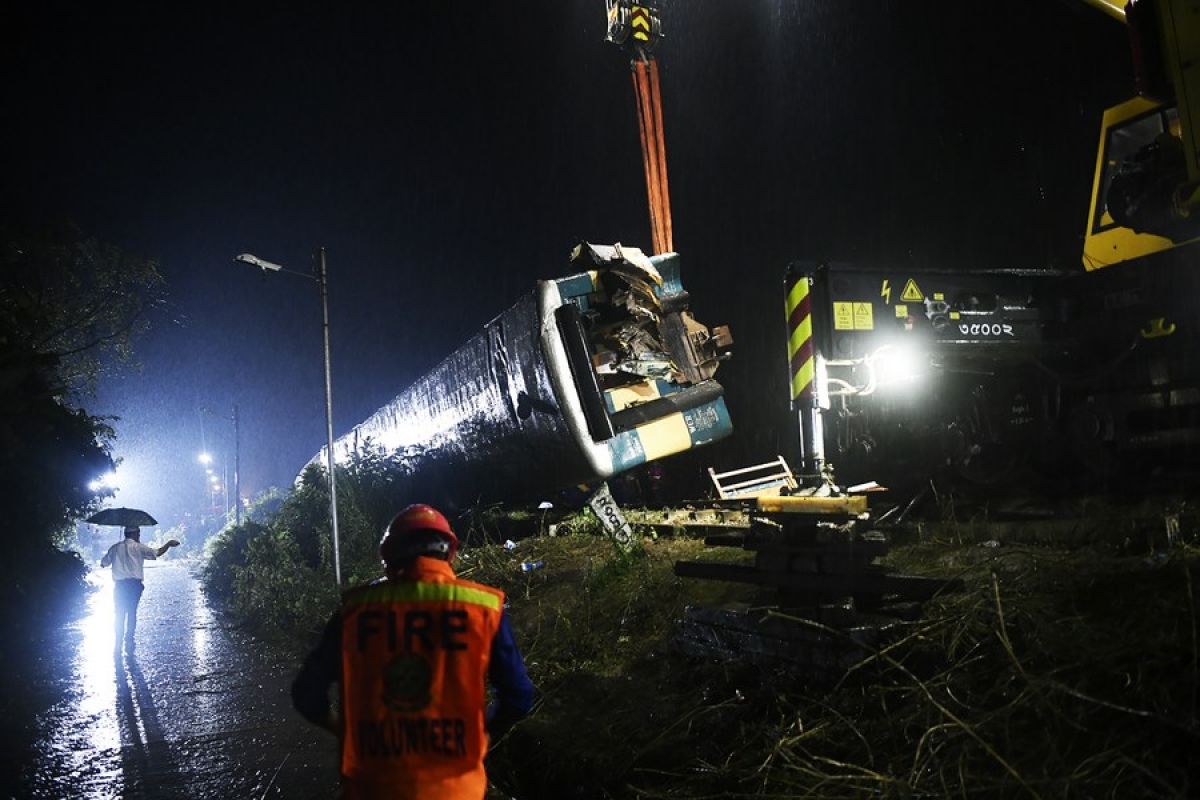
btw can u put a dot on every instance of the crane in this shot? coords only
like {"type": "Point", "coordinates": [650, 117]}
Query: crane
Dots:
{"type": "Point", "coordinates": [1146, 188]}
{"type": "Point", "coordinates": [1087, 373]}
{"type": "Point", "coordinates": [637, 28]}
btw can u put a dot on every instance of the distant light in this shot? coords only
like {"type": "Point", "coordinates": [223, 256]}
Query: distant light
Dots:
{"type": "Point", "coordinates": [204, 458]}
{"type": "Point", "coordinates": [208, 470]}
{"type": "Point", "coordinates": [212, 478]}
{"type": "Point", "coordinates": [108, 480]}
{"type": "Point", "coordinates": [216, 487]}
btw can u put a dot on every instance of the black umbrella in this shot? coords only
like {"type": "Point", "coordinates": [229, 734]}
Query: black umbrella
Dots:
{"type": "Point", "coordinates": [123, 517]}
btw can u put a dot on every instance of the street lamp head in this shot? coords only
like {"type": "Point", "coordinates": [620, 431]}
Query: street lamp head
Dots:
{"type": "Point", "coordinates": [205, 458]}
{"type": "Point", "coordinates": [320, 276]}
{"type": "Point", "coordinates": [255, 261]}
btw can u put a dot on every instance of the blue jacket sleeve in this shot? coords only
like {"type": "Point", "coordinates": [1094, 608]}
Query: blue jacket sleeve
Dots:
{"type": "Point", "coordinates": [322, 669]}
{"type": "Point", "coordinates": [506, 671]}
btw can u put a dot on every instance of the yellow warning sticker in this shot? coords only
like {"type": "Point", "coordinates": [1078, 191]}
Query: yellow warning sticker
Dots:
{"type": "Point", "coordinates": [853, 317]}
{"type": "Point", "coordinates": [864, 319]}
{"type": "Point", "coordinates": [843, 316]}
{"type": "Point", "coordinates": [901, 311]}
{"type": "Point", "coordinates": [954, 315]}
{"type": "Point", "coordinates": [912, 293]}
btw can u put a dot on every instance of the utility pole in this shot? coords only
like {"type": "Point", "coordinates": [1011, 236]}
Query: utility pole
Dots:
{"type": "Point", "coordinates": [319, 275]}
{"type": "Point", "coordinates": [337, 560]}
{"type": "Point", "coordinates": [237, 470]}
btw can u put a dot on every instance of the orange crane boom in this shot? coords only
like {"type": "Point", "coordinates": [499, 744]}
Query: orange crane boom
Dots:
{"type": "Point", "coordinates": [637, 27]}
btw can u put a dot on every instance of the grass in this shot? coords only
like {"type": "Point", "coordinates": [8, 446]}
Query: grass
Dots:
{"type": "Point", "coordinates": [1063, 670]}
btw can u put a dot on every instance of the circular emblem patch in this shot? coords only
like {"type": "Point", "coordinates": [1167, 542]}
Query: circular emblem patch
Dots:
{"type": "Point", "coordinates": [406, 682]}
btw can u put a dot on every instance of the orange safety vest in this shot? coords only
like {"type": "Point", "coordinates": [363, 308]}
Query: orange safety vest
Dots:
{"type": "Point", "coordinates": [415, 653]}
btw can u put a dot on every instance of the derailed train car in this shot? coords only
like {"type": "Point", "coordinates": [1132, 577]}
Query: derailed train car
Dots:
{"type": "Point", "coordinates": [585, 377]}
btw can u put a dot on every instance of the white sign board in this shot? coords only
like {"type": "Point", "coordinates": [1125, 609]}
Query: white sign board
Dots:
{"type": "Point", "coordinates": [610, 515]}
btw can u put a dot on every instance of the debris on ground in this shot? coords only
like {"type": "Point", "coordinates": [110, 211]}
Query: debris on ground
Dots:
{"type": "Point", "coordinates": [1062, 670]}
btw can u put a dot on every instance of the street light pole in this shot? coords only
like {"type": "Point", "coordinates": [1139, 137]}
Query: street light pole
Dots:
{"type": "Point", "coordinates": [206, 459]}
{"type": "Point", "coordinates": [237, 463]}
{"type": "Point", "coordinates": [237, 470]}
{"type": "Point", "coordinates": [320, 278]}
{"type": "Point", "coordinates": [337, 562]}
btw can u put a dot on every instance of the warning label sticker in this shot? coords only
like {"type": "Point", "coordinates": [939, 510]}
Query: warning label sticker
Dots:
{"type": "Point", "coordinates": [864, 319]}
{"type": "Point", "coordinates": [843, 316]}
{"type": "Point", "coordinates": [853, 317]}
{"type": "Point", "coordinates": [912, 293]}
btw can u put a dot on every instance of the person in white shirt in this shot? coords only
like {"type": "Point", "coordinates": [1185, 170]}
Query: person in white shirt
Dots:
{"type": "Point", "coordinates": [126, 559]}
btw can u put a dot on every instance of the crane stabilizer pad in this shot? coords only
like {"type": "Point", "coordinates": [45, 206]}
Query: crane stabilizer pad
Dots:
{"type": "Point", "coordinates": [851, 506]}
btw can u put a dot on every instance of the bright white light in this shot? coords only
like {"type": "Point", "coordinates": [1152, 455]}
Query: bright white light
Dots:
{"type": "Point", "coordinates": [208, 471]}
{"type": "Point", "coordinates": [216, 487]}
{"type": "Point", "coordinates": [898, 365]}
{"type": "Point", "coordinates": [212, 479]}
{"type": "Point", "coordinates": [204, 458]}
{"type": "Point", "coordinates": [107, 481]}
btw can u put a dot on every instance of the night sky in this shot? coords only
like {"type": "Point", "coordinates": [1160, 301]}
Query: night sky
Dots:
{"type": "Point", "coordinates": [449, 154]}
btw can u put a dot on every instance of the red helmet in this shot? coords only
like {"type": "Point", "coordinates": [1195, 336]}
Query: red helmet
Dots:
{"type": "Point", "coordinates": [418, 530]}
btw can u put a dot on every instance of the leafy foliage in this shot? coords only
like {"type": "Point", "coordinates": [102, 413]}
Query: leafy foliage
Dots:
{"type": "Point", "coordinates": [49, 453]}
{"type": "Point", "coordinates": [224, 554]}
{"type": "Point", "coordinates": [75, 301]}
{"type": "Point", "coordinates": [49, 582]}
{"type": "Point", "coordinates": [304, 514]}
{"type": "Point", "coordinates": [277, 571]}
{"type": "Point", "coordinates": [273, 589]}
{"type": "Point", "coordinates": [265, 504]}
{"type": "Point", "coordinates": [68, 305]}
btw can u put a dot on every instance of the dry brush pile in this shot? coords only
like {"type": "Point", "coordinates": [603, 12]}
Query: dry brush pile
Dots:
{"type": "Point", "coordinates": [1059, 672]}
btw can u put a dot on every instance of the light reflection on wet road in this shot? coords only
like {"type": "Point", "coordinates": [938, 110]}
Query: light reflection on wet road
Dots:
{"type": "Point", "coordinates": [201, 711]}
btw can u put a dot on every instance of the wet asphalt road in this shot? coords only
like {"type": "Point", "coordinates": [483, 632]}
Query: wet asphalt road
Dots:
{"type": "Point", "coordinates": [201, 711]}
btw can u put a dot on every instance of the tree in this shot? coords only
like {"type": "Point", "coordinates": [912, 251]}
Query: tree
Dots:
{"type": "Point", "coordinates": [75, 302]}
{"type": "Point", "coordinates": [69, 306]}
{"type": "Point", "coordinates": [49, 453]}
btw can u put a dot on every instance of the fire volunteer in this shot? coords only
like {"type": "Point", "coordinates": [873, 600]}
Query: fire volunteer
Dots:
{"type": "Point", "coordinates": [411, 652]}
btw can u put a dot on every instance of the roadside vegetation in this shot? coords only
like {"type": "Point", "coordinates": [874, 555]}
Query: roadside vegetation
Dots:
{"type": "Point", "coordinates": [1062, 670]}
{"type": "Point", "coordinates": [1068, 667]}
{"type": "Point", "coordinates": [71, 311]}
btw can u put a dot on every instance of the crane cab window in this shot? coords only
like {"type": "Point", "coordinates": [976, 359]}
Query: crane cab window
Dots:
{"type": "Point", "coordinates": [1122, 142]}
